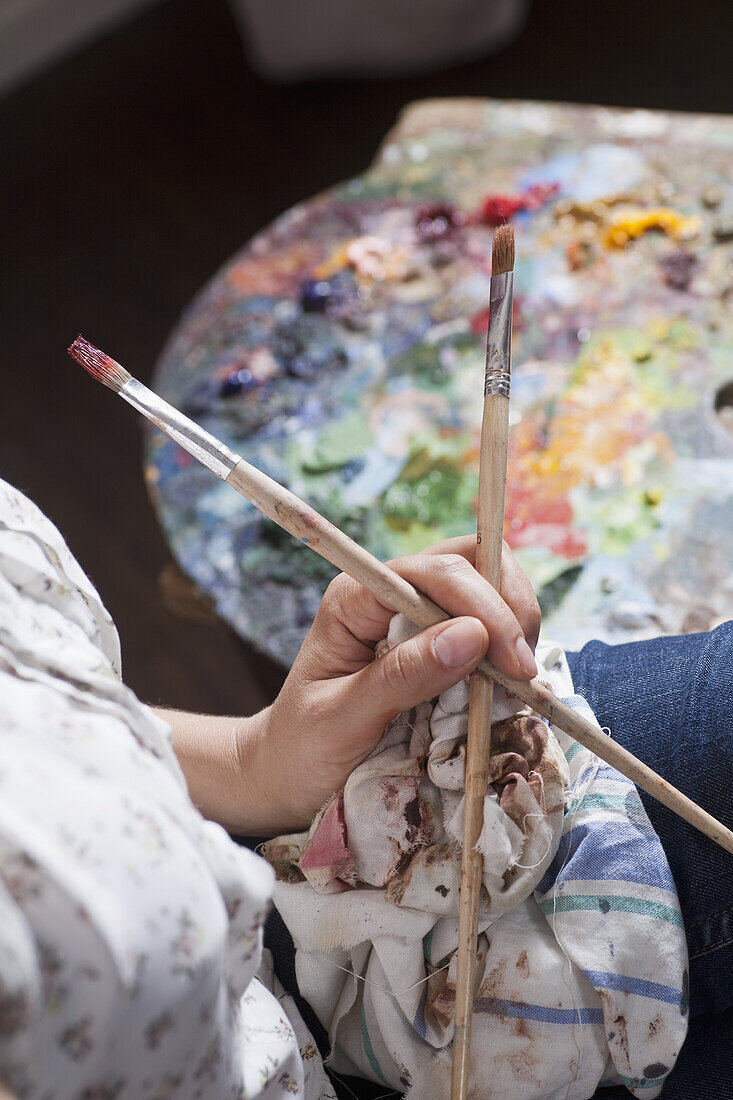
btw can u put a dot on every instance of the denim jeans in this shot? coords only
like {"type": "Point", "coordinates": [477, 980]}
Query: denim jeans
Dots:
{"type": "Point", "coordinates": [670, 702]}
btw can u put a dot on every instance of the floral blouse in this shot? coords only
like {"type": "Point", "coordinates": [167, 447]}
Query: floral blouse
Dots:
{"type": "Point", "coordinates": [130, 927]}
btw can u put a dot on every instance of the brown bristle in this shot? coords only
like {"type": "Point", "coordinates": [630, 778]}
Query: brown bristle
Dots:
{"type": "Point", "coordinates": [99, 365]}
{"type": "Point", "coordinates": [502, 250]}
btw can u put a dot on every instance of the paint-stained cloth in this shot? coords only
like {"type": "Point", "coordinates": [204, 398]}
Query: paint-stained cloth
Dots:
{"type": "Point", "coordinates": [582, 956]}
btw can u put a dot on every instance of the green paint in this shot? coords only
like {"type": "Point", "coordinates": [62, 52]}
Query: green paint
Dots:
{"type": "Point", "coordinates": [432, 490]}
{"type": "Point", "coordinates": [338, 443]}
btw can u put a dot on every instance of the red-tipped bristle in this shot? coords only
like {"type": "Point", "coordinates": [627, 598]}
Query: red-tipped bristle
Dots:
{"type": "Point", "coordinates": [99, 365]}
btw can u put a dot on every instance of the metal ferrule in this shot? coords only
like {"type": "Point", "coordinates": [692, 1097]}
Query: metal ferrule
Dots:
{"type": "Point", "coordinates": [205, 448]}
{"type": "Point", "coordinates": [497, 379]}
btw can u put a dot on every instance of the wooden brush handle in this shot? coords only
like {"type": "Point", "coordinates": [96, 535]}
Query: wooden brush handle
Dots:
{"type": "Point", "coordinates": [319, 534]}
{"type": "Point", "coordinates": [302, 521]}
{"type": "Point", "coordinates": [490, 526]}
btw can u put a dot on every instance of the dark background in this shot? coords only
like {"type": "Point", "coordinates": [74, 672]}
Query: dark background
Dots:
{"type": "Point", "coordinates": [129, 173]}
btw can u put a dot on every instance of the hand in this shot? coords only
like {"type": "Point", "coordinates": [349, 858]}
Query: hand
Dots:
{"type": "Point", "coordinates": [337, 700]}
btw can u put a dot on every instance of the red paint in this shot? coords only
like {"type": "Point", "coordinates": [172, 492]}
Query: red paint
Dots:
{"type": "Point", "coordinates": [97, 363]}
{"type": "Point", "coordinates": [326, 861]}
{"type": "Point", "coordinates": [536, 521]}
{"type": "Point", "coordinates": [498, 208]}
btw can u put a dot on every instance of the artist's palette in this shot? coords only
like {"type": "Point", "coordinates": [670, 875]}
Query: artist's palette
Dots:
{"type": "Point", "coordinates": [342, 352]}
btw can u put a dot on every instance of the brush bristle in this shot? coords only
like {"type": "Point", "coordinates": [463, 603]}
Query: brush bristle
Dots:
{"type": "Point", "coordinates": [502, 250]}
{"type": "Point", "coordinates": [99, 365]}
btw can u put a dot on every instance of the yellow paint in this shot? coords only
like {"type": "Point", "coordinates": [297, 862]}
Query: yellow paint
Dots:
{"type": "Point", "coordinates": [596, 211]}
{"type": "Point", "coordinates": [337, 261]}
{"type": "Point", "coordinates": [373, 259]}
{"type": "Point", "coordinates": [635, 221]}
{"type": "Point", "coordinates": [583, 444]}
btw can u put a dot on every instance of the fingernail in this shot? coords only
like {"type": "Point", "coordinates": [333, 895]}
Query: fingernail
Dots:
{"type": "Point", "coordinates": [524, 655]}
{"type": "Point", "coordinates": [460, 643]}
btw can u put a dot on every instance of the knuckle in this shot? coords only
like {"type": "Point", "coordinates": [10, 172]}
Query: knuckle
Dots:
{"type": "Point", "coordinates": [454, 565]}
{"type": "Point", "coordinates": [399, 565]}
{"type": "Point", "coordinates": [335, 589]}
{"type": "Point", "coordinates": [405, 667]}
{"type": "Point", "coordinates": [339, 591]}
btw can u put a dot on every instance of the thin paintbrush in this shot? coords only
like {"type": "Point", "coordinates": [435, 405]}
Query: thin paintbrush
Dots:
{"type": "Point", "coordinates": [299, 519]}
{"type": "Point", "coordinates": [490, 526]}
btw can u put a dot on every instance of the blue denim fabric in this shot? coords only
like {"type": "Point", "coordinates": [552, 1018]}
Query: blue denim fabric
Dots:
{"type": "Point", "coordinates": [670, 702]}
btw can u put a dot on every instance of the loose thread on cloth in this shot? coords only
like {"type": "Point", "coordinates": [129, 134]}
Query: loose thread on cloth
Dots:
{"type": "Point", "coordinates": [541, 816]}
{"type": "Point", "coordinates": [341, 1080]}
{"type": "Point", "coordinates": [388, 992]}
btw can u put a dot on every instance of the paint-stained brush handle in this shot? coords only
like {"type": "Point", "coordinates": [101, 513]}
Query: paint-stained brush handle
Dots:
{"type": "Point", "coordinates": [491, 496]}
{"type": "Point", "coordinates": [319, 534]}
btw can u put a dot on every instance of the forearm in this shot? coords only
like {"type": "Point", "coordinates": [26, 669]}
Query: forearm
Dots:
{"type": "Point", "coordinates": [224, 763]}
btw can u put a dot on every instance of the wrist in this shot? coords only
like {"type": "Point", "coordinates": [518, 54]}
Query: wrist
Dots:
{"type": "Point", "coordinates": [228, 773]}
{"type": "Point", "coordinates": [260, 809]}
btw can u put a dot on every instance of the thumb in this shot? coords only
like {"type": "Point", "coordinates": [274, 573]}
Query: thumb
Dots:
{"type": "Point", "coordinates": [420, 668]}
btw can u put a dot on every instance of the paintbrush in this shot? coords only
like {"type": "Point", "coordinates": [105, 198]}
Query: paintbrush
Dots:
{"type": "Point", "coordinates": [299, 519]}
{"type": "Point", "coordinates": [490, 526]}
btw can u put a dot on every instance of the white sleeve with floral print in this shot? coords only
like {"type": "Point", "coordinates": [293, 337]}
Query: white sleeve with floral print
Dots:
{"type": "Point", "coordinates": [130, 927]}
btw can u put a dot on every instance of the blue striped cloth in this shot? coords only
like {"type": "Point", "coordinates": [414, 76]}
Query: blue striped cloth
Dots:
{"type": "Point", "coordinates": [611, 901]}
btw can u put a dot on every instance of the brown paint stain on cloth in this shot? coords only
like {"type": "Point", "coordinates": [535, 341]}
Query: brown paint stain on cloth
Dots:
{"type": "Point", "coordinates": [492, 985]}
{"type": "Point", "coordinates": [413, 817]}
{"type": "Point", "coordinates": [523, 735]}
{"type": "Point", "coordinates": [523, 964]}
{"type": "Point", "coordinates": [441, 998]}
{"type": "Point", "coordinates": [389, 793]}
{"type": "Point", "coordinates": [523, 771]}
{"type": "Point", "coordinates": [616, 1028]}
{"type": "Point", "coordinates": [524, 1065]}
{"type": "Point", "coordinates": [438, 869]}
{"type": "Point", "coordinates": [522, 1028]}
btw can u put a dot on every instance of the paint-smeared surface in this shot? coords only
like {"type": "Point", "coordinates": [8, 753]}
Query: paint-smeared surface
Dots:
{"type": "Point", "coordinates": [342, 352]}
